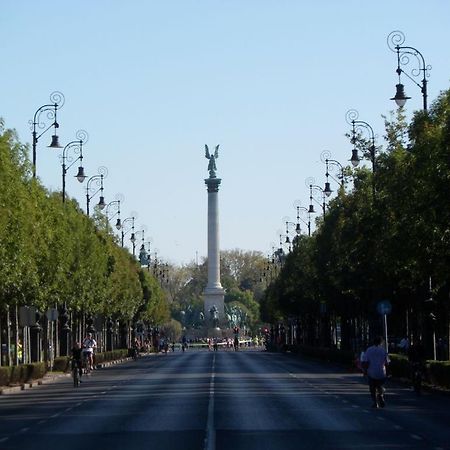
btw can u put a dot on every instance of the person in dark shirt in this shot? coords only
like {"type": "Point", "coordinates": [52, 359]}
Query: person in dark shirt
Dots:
{"type": "Point", "coordinates": [76, 353]}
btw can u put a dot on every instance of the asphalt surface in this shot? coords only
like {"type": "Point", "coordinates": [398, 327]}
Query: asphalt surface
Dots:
{"type": "Point", "coordinates": [221, 400]}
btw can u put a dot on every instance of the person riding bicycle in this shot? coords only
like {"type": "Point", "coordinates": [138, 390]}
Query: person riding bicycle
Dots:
{"type": "Point", "coordinates": [417, 361]}
{"type": "Point", "coordinates": [76, 358]}
{"type": "Point", "coordinates": [89, 345]}
{"type": "Point", "coordinates": [136, 346]}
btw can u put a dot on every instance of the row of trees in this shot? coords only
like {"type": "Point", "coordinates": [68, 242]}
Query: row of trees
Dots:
{"type": "Point", "coordinates": [52, 254]}
{"type": "Point", "coordinates": [391, 243]}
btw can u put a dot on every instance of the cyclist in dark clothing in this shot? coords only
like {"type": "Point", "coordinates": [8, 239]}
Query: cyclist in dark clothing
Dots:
{"type": "Point", "coordinates": [417, 360]}
{"type": "Point", "coordinates": [76, 357]}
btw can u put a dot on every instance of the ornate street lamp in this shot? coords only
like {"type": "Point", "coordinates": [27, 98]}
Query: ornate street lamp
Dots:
{"type": "Point", "coordinates": [357, 126]}
{"type": "Point", "coordinates": [395, 40]}
{"type": "Point", "coordinates": [124, 232]}
{"type": "Point", "coordinates": [77, 147]}
{"type": "Point", "coordinates": [57, 99]}
{"type": "Point", "coordinates": [325, 157]}
{"type": "Point", "coordinates": [133, 240]}
{"type": "Point", "coordinates": [314, 188]}
{"type": "Point", "coordinates": [116, 205]}
{"type": "Point", "coordinates": [299, 207]}
{"type": "Point", "coordinates": [291, 226]}
{"type": "Point", "coordinates": [98, 179]}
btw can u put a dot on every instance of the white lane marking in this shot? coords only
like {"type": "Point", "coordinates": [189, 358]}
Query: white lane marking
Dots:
{"type": "Point", "coordinates": [210, 439]}
{"type": "Point", "coordinates": [41, 422]}
{"type": "Point", "coordinates": [23, 430]}
{"type": "Point", "coordinates": [55, 415]}
{"type": "Point", "coordinates": [4, 439]}
{"type": "Point", "coordinates": [68, 409]}
{"type": "Point", "coordinates": [79, 404]}
{"type": "Point", "coordinates": [398, 427]}
{"type": "Point", "coordinates": [417, 438]}
{"type": "Point", "coordinates": [380, 418]}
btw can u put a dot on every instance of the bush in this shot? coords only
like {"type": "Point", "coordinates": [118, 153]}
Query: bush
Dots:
{"type": "Point", "coordinates": [22, 373]}
{"type": "Point", "coordinates": [399, 366]}
{"type": "Point", "coordinates": [328, 354]}
{"type": "Point", "coordinates": [439, 373]}
{"type": "Point", "coordinates": [112, 355]}
{"type": "Point", "coordinates": [61, 364]}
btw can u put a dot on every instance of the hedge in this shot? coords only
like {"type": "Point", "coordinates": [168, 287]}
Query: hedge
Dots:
{"type": "Point", "coordinates": [14, 375]}
{"type": "Point", "coordinates": [437, 372]}
{"type": "Point", "coordinates": [22, 373]}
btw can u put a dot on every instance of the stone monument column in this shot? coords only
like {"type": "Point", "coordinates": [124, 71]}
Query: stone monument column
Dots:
{"type": "Point", "coordinates": [213, 294]}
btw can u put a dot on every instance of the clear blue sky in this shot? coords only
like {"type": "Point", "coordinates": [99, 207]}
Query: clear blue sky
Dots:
{"type": "Point", "coordinates": [153, 81]}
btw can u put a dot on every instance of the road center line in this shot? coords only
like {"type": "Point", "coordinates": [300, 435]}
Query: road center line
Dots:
{"type": "Point", "coordinates": [4, 439]}
{"type": "Point", "coordinates": [210, 439]}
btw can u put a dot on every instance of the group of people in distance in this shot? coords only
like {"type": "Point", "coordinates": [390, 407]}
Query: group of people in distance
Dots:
{"type": "Point", "coordinates": [375, 360]}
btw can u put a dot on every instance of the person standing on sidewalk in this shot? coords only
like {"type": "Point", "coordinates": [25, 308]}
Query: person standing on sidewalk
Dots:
{"type": "Point", "coordinates": [374, 365]}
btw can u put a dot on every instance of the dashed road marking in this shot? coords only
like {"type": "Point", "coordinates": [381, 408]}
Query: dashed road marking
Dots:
{"type": "Point", "coordinates": [23, 430]}
{"type": "Point", "coordinates": [417, 438]}
{"type": "Point", "coordinates": [398, 427]}
{"type": "Point", "coordinates": [55, 415]}
{"type": "Point", "coordinates": [4, 439]}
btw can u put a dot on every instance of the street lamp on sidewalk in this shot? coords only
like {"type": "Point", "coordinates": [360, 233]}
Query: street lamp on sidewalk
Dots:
{"type": "Point", "coordinates": [77, 147]}
{"type": "Point", "coordinates": [325, 157]}
{"type": "Point", "coordinates": [314, 188]}
{"type": "Point", "coordinates": [127, 220]}
{"type": "Point", "coordinates": [299, 207]}
{"type": "Point", "coordinates": [98, 179]}
{"type": "Point", "coordinates": [395, 40]}
{"type": "Point", "coordinates": [57, 99]}
{"type": "Point", "coordinates": [114, 204]}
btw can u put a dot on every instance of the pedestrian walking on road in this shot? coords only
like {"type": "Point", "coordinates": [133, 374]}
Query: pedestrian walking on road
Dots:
{"type": "Point", "coordinates": [374, 365]}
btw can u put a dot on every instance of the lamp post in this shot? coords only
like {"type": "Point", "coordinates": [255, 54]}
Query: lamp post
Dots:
{"type": "Point", "coordinates": [299, 208]}
{"type": "Point", "coordinates": [295, 227]}
{"type": "Point", "coordinates": [325, 157]}
{"type": "Point", "coordinates": [77, 146]}
{"type": "Point", "coordinates": [351, 118]}
{"type": "Point", "coordinates": [114, 204]}
{"type": "Point", "coordinates": [358, 126]}
{"type": "Point", "coordinates": [123, 232]}
{"type": "Point", "coordinates": [98, 179]}
{"type": "Point", "coordinates": [57, 99]}
{"type": "Point", "coordinates": [314, 187]}
{"type": "Point", "coordinates": [133, 240]}
{"type": "Point", "coordinates": [395, 40]}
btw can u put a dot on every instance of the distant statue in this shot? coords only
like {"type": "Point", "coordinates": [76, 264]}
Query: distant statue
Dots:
{"type": "Point", "coordinates": [212, 161]}
{"type": "Point", "coordinates": [214, 316]}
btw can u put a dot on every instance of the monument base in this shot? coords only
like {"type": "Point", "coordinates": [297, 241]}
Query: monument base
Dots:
{"type": "Point", "coordinates": [214, 297]}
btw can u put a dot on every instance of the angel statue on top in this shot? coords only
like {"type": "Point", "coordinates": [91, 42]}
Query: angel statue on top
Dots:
{"type": "Point", "coordinates": [212, 160]}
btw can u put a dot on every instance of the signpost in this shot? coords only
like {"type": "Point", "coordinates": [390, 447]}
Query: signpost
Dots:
{"type": "Point", "coordinates": [384, 308]}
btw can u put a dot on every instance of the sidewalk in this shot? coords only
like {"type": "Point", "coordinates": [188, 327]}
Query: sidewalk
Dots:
{"type": "Point", "coordinates": [51, 377]}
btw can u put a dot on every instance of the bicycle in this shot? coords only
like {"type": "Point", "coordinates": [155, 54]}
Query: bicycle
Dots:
{"type": "Point", "coordinates": [76, 372]}
{"type": "Point", "coordinates": [416, 377]}
{"type": "Point", "coordinates": [86, 363]}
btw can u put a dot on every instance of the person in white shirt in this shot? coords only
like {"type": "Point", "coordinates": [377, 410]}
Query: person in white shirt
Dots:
{"type": "Point", "coordinates": [374, 365]}
{"type": "Point", "coordinates": [89, 345]}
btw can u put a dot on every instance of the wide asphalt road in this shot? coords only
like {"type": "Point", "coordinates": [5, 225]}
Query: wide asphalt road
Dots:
{"type": "Point", "coordinates": [226, 400]}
